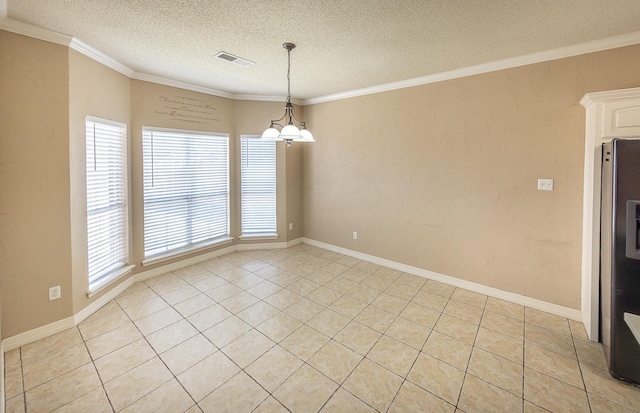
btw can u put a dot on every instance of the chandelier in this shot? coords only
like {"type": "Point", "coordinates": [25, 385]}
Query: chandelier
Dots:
{"type": "Point", "coordinates": [291, 132]}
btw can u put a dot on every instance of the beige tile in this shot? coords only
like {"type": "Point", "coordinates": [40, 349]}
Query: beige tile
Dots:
{"type": "Point", "coordinates": [254, 265]}
{"type": "Point", "coordinates": [278, 327]}
{"type": "Point", "coordinates": [194, 409]}
{"type": "Point", "coordinates": [50, 345]}
{"type": "Point", "coordinates": [208, 375]}
{"type": "Point", "coordinates": [170, 336]}
{"type": "Point", "coordinates": [354, 275]}
{"type": "Point", "coordinates": [362, 293]}
{"type": "Point", "coordinates": [456, 328]}
{"type": "Point", "coordinates": [305, 391]}
{"type": "Point", "coordinates": [577, 330]}
{"type": "Point", "coordinates": [600, 405]}
{"type": "Point", "coordinates": [600, 383]}
{"type": "Point", "coordinates": [55, 365]}
{"type": "Point", "coordinates": [95, 401]}
{"type": "Point", "coordinates": [421, 315]}
{"type": "Point", "coordinates": [552, 364]}
{"type": "Point", "coordinates": [270, 405]}
{"type": "Point", "coordinates": [532, 408]}
{"type": "Point", "coordinates": [437, 377]}
{"type": "Point", "coordinates": [348, 261]}
{"type": "Point", "coordinates": [320, 277]}
{"type": "Point", "coordinates": [187, 354]}
{"type": "Point", "coordinates": [303, 287]}
{"type": "Point", "coordinates": [180, 295]}
{"type": "Point", "coordinates": [500, 344]}
{"type": "Point", "coordinates": [400, 290]}
{"type": "Point", "coordinates": [157, 321]}
{"type": "Point", "coordinates": [264, 290]}
{"type": "Point", "coordinates": [257, 313]}
{"type": "Point", "coordinates": [282, 299]}
{"type": "Point", "coordinates": [273, 368]}
{"type": "Point", "coordinates": [591, 353]}
{"type": "Point", "coordinates": [412, 398]}
{"type": "Point", "coordinates": [240, 394]}
{"type": "Point", "coordinates": [113, 340]}
{"type": "Point", "coordinates": [335, 268]}
{"type": "Point", "coordinates": [136, 383]}
{"type": "Point", "coordinates": [552, 394]}
{"type": "Point", "coordinates": [348, 306]}
{"type": "Point", "coordinates": [194, 304]}
{"type": "Point", "coordinates": [376, 283]}
{"type": "Point", "coordinates": [167, 283]}
{"type": "Point", "coordinates": [373, 384]}
{"type": "Point", "coordinates": [223, 292]}
{"type": "Point", "coordinates": [136, 287]}
{"type": "Point", "coordinates": [430, 300]}
{"type": "Point", "coordinates": [393, 355]}
{"type": "Point", "coordinates": [469, 297]}
{"type": "Point", "coordinates": [269, 271]}
{"type": "Point", "coordinates": [15, 404]}
{"type": "Point", "coordinates": [304, 342]}
{"type": "Point", "coordinates": [558, 343]}
{"type": "Point", "coordinates": [408, 332]}
{"type": "Point", "coordinates": [122, 360]}
{"type": "Point", "coordinates": [248, 281]}
{"type": "Point", "coordinates": [335, 361]}
{"type": "Point", "coordinates": [341, 284]}
{"type": "Point", "coordinates": [388, 273]}
{"type": "Point", "coordinates": [548, 321]}
{"type": "Point", "coordinates": [192, 273]}
{"type": "Point", "coordinates": [239, 302]}
{"type": "Point", "coordinates": [12, 359]}
{"type": "Point", "coordinates": [375, 318]}
{"type": "Point", "coordinates": [464, 312]}
{"type": "Point", "coordinates": [479, 396]}
{"type": "Point", "coordinates": [439, 288]}
{"type": "Point", "coordinates": [367, 267]}
{"type": "Point", "coordinates": [358, 337]}
{"type": "Point", "coordinates": [503, 324]}
{"type": "Point", "coordinates": [505, 308]}
{"type": "Point", "coordinates": [448, 349]}
{"type": "Point", "coordinates": [170, 397]}
{"type": "Point", "coordinates": [390, 304]}
{"type": "Point", "coordinates": [496, 370]}
{"type": "Point", "coordinates": [324, 296]}
{"type": "Point", "coordinates": [109, 308]}
{"type": "Point", "coordinates": [244, 350]}
{"type": "Point", "coordinates": [140, 296]}
{"type": "Point", "coordinates": [343, 401]}
{"type": "Point", "coordinates": [62, 390]}
{"type": "Point", "coordinates": [328, 322]}
{"type": "Point", "coordinates": [226, 331]}
{"type": "Point", "coordinates": [13, 383]}
{"type": "Point", "coordinates": [285, 279]}
{"type": "Point", "coordinates": [303, 310]}
{"type": "Point", "coordinates": [209, 317]}
{"type": "Point", "coordinates": [144, 309]}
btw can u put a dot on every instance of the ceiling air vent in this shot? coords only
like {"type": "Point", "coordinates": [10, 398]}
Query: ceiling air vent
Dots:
{"type": "Point", "coordinates": [235, 59]}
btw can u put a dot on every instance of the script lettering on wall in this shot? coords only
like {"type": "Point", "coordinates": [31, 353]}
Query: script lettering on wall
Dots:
{"type": "Point", "coordinates": [187, 110]}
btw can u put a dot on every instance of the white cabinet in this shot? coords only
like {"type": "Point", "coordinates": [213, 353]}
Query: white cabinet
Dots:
{"type": "Point", "coordinates": [621, 118]}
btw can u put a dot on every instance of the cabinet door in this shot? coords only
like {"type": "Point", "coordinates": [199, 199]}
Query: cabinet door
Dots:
{"type": "Point", "coordinates": [621, 118]}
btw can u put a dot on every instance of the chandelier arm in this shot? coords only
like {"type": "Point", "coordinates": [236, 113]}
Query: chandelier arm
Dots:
{"type": "Point", "coordinates": [276, 124]}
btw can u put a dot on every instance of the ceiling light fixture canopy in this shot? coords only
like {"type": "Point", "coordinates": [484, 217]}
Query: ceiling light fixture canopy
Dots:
{"type": "Point", "coordinates": [291, 132]}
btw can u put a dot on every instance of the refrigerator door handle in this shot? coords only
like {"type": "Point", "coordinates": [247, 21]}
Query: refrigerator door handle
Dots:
{"type": "Point", "coordinates": [633, 230]}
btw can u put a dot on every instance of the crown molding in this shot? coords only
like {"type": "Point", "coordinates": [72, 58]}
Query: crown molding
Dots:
{"type": "Point", "coordinates": [553, 54]}
{"type": "Point", "coordinates": [98, 56]}
{"type": "Point", "coordinates": [182, 85]}
{"type": "Point", "coordinates": [266, 98]}
{"type": "Point", "coordinates": [26, 29]}
{"type": "Point", "coordinates": [593, 97]}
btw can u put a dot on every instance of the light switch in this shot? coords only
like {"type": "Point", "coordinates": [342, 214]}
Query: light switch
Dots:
{"type": "Point", "coordinates": [545, 184]}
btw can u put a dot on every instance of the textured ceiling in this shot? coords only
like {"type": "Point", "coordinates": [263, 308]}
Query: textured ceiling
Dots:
{"type": "Point", "coordinates": [342, 44]}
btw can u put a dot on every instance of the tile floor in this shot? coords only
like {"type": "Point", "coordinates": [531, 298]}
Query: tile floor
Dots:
{"type": "Point", "coordinates": [307, 330]}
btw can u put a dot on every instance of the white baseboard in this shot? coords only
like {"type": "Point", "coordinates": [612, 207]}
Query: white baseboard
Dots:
{"type": "Point", "coordinates": [294, 242]}
{"type": "Point", "coordinates": [30, 336]}
{"type": "Point", "coordinates": [559, 310]}
{"type": "Point", "coordinates": [2, 392]}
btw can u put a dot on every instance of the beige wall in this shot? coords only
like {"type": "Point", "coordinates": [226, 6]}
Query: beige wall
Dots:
{"type": "Point", "coordinates": [444, 176]}
{"type": "Point", "coordinates": [35, 228]}
{"type": "Point", "coordinates": [94, 90]}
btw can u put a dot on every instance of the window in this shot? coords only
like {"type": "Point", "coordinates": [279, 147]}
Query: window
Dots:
{"type": "Point", "coordinates": [258, 186]}
{"type": "Point", "coordinates": [186, 190]}
{"type": "Point", "coordinates": [107, 210]}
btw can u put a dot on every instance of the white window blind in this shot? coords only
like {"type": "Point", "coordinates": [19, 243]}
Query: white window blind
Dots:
{"type": "Point", "coordinates": [186, 189]}
{"type": "Point", "coordinates": [258, 186]}
{"type": "Point", "coordinates": [107, 211]}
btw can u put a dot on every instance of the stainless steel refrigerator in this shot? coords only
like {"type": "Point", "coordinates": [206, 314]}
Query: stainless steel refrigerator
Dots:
{"type": "Point", "coordinates": [620, 256]}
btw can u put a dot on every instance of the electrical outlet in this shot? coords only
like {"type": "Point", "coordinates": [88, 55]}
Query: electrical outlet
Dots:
{"type": "Point", "coordinates": [545, 184]}
{"type": "Point", "coordinates": [54, 293]}
{"type": "Point", "coordinates": [290, 226]}
{"type": "Point", "coordinates": [355, 235]}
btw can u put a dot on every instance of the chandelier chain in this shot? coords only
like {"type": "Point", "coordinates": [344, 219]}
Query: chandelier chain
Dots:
{"type": "Point", "coordinates": [288, 75]}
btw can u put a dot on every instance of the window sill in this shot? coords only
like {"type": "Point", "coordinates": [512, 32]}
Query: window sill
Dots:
{"type": "Point", "coordinates": [108, 280]}
{"type": "Point", "coordinates": [258, 237]}
{"type": "Point", "coordinates": [185, 251]}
